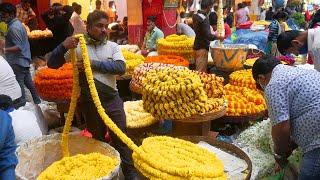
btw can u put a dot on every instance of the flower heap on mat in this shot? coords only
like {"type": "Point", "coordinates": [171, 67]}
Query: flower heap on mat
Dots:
{"type": "Point", "coordinates": [168, 59]}
{"type": "Point", "coordinates": [37, 34]}
{"type": "Point", "coordinates": [141, 71]}
{"type": "Point", "coordinates": [89, 166]}
{"type": "Point", "coordinates": [136, 116]}
{"type": "Point", "coordinates": [54, 84]}
{"type": "Point", "coordinates": [169, 93]}
{"type": "Point", "coordinates": [176, 45]}
{"type": "Point", "coordinates": [185, 154]}
{"type": "Point", "coordinates": [242, 95]}
{"type": "Point", "coordinates": [132, 61]}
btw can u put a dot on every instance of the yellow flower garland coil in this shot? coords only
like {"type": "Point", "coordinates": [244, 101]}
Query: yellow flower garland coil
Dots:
{"type": "Point", "coordinates": [207, 165]}
{"type": "Point", "coordinates": [136, 116]}
{"type": "Point", "coordinates": [176, 45]}
{"type": "Point", "coordinates": [175, 94]}
{"type": "Point", "coordinates": [172, 158]}
{"type": "Point", "coordinates": [87, 167]}
{"type": "Point", "coordinates": [132, 61]}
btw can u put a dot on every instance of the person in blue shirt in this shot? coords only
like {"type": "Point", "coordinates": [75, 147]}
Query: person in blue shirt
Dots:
{"type": "Point", "coordinates": [293, 99]}
{"type": "Point", "coordinates": [17, 51]}
{"type": "Point", "coordinates": [275, 29]}
{"type": "Point", "coordinates": [8, 159]}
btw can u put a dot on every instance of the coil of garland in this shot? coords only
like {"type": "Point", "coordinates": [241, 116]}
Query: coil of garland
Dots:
{"type": "Point", "coordinates": [54, 84]}
{"type": "Point", "coordinates": [132, 61]}
{"type": "Point", "coordinates": [168, 59]}
{"type": "Point", "coordinates": [176, 45]}
{"type": "Point", "coordinates": [212, 84]}
{"type": "Point", "coordinates": [136, 116]}
{"type": "Point", "coordinates": [141, 71]}
{"type": "Point", "coordinates": [185, 154]}
{"type": "Point", "coordinates": [220, 23]}
{"type": "Point", "coordinates": [169, 93]}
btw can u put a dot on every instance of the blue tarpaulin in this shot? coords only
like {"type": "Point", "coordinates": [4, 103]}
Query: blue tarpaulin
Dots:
{"type": "Point", "coordinates": [245, 36]}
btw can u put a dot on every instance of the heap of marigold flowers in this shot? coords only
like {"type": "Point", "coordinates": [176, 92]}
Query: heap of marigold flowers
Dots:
{"type": "Point", "coordinates": [55, 84]}
{"type": "Point", "coordinates": [176, 45]}
{"type": "Point", "coordinates": [168, 59]}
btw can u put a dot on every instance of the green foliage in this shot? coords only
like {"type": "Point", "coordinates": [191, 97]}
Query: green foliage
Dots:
{"type": "Point", "coordinates": [298, 19]}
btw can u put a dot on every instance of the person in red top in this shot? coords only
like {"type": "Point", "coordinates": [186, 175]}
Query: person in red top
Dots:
{"type": "Point", "coordinates": [213, 23]}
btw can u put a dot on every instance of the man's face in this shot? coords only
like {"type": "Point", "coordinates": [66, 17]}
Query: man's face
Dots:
{"type": "Point", "coordinates": [99, 30]}
{"type": "Point", "coordinates": [295, 48]}
{"type": "Point", "coordinates": [98, 6]}
{"type": "Point", "coordinates": [79, 11]}
{"type": "Point", "coordinates": [150, 25]}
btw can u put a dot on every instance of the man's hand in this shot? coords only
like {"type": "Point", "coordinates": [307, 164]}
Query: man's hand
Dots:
{"type": "Point", "coordinates": [70, 43]}
{"type": "Point", "coordinates": [221, 38]}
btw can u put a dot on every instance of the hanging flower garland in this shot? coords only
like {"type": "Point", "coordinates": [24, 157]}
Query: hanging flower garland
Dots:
{"type": "Point", "coordinates": [55, 84]}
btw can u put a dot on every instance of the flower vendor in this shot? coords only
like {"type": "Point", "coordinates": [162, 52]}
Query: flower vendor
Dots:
{"type": "Point", "coordinates": [153, 33]}
{"type": "Point", "coordinates": [293, 99]}
{"type": "Point", "coordinates": [17, 51]}
{"type": "Point", "coordinates": [25, 14]}
{"type": "Point", "coordinates": [107, 61]}
{"type": "Point", "coordinates": [8, 83]}
{"type": "Point", "coordinates": [8, 160]}
{"type": "Point", "coordinates": [275, 28]}
{"type": "Point", "coordinates": [203, 35]}
{"type": "Point", "coordinates": [185, 29]}
{"type": "Point", "coordinates": [297, 42]}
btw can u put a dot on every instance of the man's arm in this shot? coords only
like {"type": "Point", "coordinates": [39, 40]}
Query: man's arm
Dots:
{"type": "Point", "coordinates": [116, 65]}
{"type": "Point", "coordinates": [281, 138]}
{"type": "Point", "coordinates": [56, 58]}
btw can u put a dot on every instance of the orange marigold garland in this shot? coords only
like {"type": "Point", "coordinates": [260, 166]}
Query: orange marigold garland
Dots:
{"type": "Point", "coordinates": [168, 59]}
{"type": "Point", "coordinates": [55, 84]}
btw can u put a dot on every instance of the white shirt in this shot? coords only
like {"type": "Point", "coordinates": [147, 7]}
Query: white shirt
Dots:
{"type": "Point", "coordinates": [314, 46]}
{"type": "Point", "coordinates": [263, 15]}
{"type": "Point", "coordinates": [78, 24]}
{"type": "Point", "coordinates": [247, 9]}
{"type": "Point", "coordinates": [8, 84]}
{"type": "Point", "coordinates": [107, 52]}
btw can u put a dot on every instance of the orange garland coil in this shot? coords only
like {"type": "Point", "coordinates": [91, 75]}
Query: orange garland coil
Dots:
{"type": "Point", "coordinates": [168, 59]}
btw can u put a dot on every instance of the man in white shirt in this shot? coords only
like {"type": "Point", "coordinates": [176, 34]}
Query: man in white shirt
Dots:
{"type": "Point", "coordinates": [8, 84]}
{"type": "Point", "coordinates": [78, 24]}
{"type": "Point", "coordinates": [301, 42]}
{"type": "Point", "coordinates": [107, 61]}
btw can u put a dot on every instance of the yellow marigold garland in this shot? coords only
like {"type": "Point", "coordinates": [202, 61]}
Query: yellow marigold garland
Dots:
{"type": "Point", "coordinates": [152, 168]}
{"type": "Point", "coordinates": [72, 107]}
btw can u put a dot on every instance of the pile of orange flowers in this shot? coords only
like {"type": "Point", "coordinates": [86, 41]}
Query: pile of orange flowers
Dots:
{"type": "Point", "coordinates": [242, 95]}
{"type": "Point", "coordinates": [168, 59]}
{"type": "Point", "coordinates": [54, 84]}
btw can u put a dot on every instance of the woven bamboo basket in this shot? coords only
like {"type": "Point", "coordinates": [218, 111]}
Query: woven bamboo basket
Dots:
{"type": "Point", "coordinates": [36, 155]}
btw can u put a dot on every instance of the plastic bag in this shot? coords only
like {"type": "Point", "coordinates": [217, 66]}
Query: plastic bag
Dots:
{"type": "Point", "coordinates": [290, 172]}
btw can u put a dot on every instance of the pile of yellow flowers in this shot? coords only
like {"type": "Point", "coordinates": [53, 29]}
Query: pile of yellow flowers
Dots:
{"type": "Point", "coordinates": [132, 61]}
{"type": "Point", "coordinates": [176, 45]}
{"type": "Point", "coordinates": [136, 116]}
{"type": "Point", "coordinates": [243, 78]}
{"type": "Point", "coordinates": [170, 93]}
{"type": "Point", "coordinates": [186, 153]}
{"type": "Point", "coordinates": [89, 166]}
